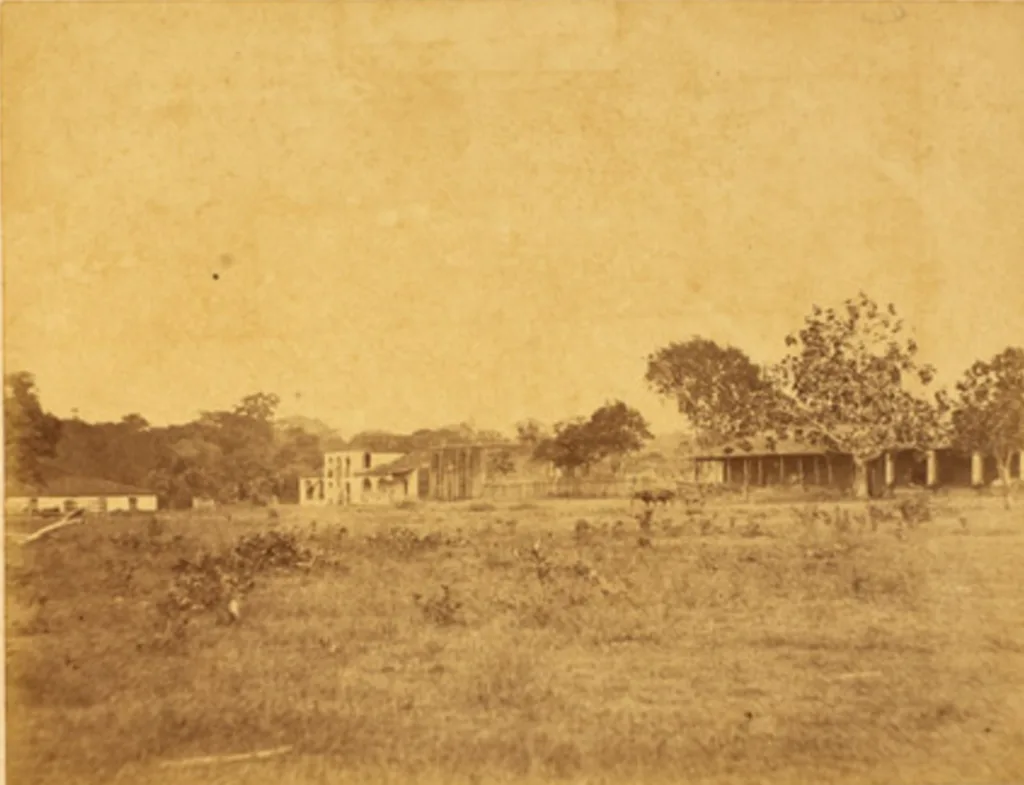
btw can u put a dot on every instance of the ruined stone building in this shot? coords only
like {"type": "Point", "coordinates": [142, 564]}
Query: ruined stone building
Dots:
{"type": "Point", "coordinates": [347, 477]}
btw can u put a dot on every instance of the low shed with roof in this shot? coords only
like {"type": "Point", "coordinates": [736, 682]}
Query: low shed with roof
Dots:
{"type": "Point", "coordinates": [406, 478]}
{"type": "Point", "coordinates": [67, 493]}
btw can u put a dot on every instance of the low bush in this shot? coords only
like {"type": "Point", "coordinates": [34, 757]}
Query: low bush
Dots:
{"type": "Point", "coordinates": [443, 609]}
{"type": "Point", "coordinates": [915, 509]}
{"type": "Point", "coordinates": [402, 542]}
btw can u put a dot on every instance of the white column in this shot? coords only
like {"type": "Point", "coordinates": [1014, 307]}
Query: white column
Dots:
{"type": "Point", "coordinates": [933, 469]}
{"type": "Point", "coordinates": [977, 469]}
{"type": "Point", "coordinates": [890, 470]}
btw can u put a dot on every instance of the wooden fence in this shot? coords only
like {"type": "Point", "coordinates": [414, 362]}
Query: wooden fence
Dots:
{"type": "Point", "coordinates": [570, 489]}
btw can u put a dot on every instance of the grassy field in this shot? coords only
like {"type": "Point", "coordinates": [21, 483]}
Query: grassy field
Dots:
{"type": "Point", "coordinates": [558, 641]}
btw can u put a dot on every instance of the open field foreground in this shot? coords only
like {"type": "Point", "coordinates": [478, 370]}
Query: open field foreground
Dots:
{"type": "Point", "coordinates": [760, 644]}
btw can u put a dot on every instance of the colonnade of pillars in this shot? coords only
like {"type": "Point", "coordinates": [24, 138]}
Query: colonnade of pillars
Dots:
{"type": "Point", "coordinates": [756, 474]}
{"type": "Point", "coordinates": [756, 469]}
{"type": "Point", "coordinates": [977, 468]}
{"type": "Point", "coordinates": [932, 468]}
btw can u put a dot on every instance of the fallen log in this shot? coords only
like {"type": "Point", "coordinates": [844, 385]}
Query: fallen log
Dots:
{"type": "Point", "coordinates": [73, 517]}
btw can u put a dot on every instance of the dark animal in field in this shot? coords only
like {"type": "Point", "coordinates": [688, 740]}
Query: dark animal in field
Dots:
{"type": "Point", "coordinates": [649, 498]}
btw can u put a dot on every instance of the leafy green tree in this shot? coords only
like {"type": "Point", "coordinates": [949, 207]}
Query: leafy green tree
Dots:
{"type": "Point", "coordinates": [491, 436]}
{"type": "Point", "coordinates": [258, 407]}
{"type": "Point", "coordinates": [239, 454]}
{"type": "Point", "coordinates": [568, 449]}
{"type": "Point", "coordinates": [31, 435]}
{"type": "Point", "coordinates": [246, 439]}
{"type": "Point", "coordinates": [616, 429]}
{"type": "Point", "coordinates": [719, 389]}
{"type": "Point", "coordinates": [191, 467]}
{"type": "Point", "coordinates": [531, 432]}
{"type": "Point", "coordinates": [852, 383]}
{"type": "Point", "coordinates": [500, 464]}
{"type": "Point", "coordinates": [849, 383]}
{"type": "Point", "coordinates": [613, 430]}
{"type": "Point", "coordinates": [385, 441]}
{"type": "Point", "coordinates": [988, 411]}
{"type": "Point", "coordinates": [422, 439]}
{"type": "Point", "coordinates": [298, 454]}
{"type": "Point", "coordinates": [134, 423]}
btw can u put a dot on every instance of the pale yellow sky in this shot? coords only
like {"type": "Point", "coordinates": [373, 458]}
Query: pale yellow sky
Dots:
{"type": "Point", "coordinates": [428, 212]}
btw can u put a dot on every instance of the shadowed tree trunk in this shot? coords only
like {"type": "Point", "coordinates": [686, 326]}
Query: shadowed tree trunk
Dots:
{"type": "Point", "coordinates": [1004, 475]}
{"type": "Point", "coordinates": [860, 477]}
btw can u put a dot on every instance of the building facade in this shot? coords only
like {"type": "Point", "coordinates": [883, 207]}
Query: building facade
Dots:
{"type": "Point", "coordinates": [347, 477]}
{"type": "Point", "coordinates": [795, 465]}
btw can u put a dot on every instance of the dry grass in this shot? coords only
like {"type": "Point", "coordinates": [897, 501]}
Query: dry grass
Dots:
{"type": "Point", "coordinates": [466, 643]}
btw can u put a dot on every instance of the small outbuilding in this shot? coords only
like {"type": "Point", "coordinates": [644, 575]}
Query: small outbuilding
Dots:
{"type": "Point", "coordinates": [67, 493]}
{"type": "Point", "coordinates": [404, 479]}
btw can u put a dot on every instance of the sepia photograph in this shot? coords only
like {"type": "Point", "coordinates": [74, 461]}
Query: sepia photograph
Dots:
{"type": "Point", "coordinates": [513, 391]}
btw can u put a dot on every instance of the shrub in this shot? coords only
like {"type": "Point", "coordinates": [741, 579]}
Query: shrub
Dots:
{"type": "Point", "coordinates": [583, 530]}
{"type": "Point", "coordinates": [916, 509]}
{"type": "Point", "coordinates": [207, 583]}
{"type": "Point", "coordinates": [270, 549]}
{"type": "Point", "coordinates": [752, 529]}
{"type": "Point", "coordinates": [540, 562]}
{"type": "Point", "coordinates": [708, 527]}
{"type": "Point", "coordinates": [880, 514]}
{"type": "Point", "coordinates": [442, 610]}
{"type": "Point", "coordinates": [217, 582]}
{"type": "Point", "coordinates": [405, 543]}
{"type": "Point", "coordinates": [806, 515]}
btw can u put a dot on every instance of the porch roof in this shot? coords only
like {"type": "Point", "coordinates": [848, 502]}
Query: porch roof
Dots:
{"type": "Point", "coordinates": [760, 446]}
{"type": "Point", "coordinates": [763, 447]}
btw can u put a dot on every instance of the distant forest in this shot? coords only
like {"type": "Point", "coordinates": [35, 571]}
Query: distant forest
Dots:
{"type": "Point", "coordinates": [248, 454]}
{"type": "Point", "coordinates": [242, 454]}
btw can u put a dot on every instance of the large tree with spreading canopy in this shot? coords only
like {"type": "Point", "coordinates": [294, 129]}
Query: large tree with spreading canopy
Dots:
{"type": "Point", "coordinates": [850, 382]}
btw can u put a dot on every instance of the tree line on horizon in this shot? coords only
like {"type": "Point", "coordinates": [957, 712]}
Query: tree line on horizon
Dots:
{"type": "Point", "coordinates": [850, 382]}
{"type": "Point", "coordinates": [248, 454]}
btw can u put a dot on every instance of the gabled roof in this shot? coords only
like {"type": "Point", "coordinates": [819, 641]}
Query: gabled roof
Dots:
{"type": "Point", "coordinates": [404, 465]}
{"type": "Point", "coordinates": [66, 486]}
